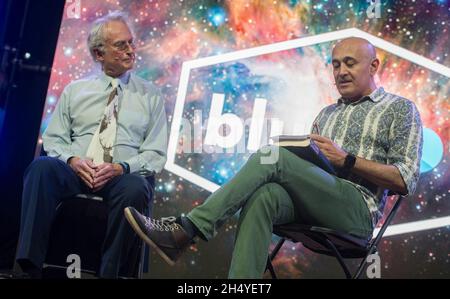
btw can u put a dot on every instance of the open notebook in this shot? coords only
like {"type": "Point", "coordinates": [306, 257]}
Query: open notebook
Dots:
{"type": "Point", "coordinates": [304, 147]}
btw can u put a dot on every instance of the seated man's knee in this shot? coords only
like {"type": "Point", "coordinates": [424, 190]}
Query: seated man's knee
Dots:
{"type": "Point", "coordinates": [137, 189]}
{"type": "Point", "coordinates": [44, 165]}
{"type": "Point", "coordinates": [272, 201]}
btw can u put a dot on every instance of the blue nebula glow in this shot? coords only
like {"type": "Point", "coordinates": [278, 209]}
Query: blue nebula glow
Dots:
{"type": "Point", "coordinates": [319, 6]}
{"type": "Point", "coordinates": [432, 152]}
{"type": "Point", "coordinates": [216, 16]}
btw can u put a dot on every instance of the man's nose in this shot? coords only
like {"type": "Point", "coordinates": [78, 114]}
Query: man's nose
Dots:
{"type": "Point", "coordinates": [343, 71]}
{"type": "Point", "coordinates": [131, 48]}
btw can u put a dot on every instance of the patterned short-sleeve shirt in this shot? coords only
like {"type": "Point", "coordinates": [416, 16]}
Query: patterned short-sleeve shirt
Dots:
{"type": "Point", "coordinates": [381, 127]}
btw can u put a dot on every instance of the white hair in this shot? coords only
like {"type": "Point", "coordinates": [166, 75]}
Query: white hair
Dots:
{"type": "Point", "coordinates": [96, 40]}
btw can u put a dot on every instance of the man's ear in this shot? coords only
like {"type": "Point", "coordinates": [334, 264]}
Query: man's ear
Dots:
{"type": "Point", "coordinates": [374, 66]}
{"type": "Point", "coordinates": [98, 55]}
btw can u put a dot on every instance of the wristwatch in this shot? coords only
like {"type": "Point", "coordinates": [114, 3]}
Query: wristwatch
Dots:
{"type": "Point", "coordinates": [349, 162]}
{"type": "Point", "coordinates": [125, 166]}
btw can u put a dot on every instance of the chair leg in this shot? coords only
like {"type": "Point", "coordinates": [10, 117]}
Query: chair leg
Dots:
{"type": "Point", "coordinates": [339, 258]}
{"type": "Point", "coordinates": [363, 263]}
{"type": "Point", "coordinates": [271, 269]}
{"type": "Point", "coordinates": [141, 261]}
{"type": "Point", "coordinates": [277, 248]}
{"type": "Point", "coordinates": [272, 255]}
{"type": "Point", "coordinates": [360, 268]}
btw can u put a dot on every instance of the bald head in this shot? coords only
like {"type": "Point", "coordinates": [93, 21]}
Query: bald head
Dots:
{"type": "Point", "coordinates": [354, 67]}
{"type": "Point", "coordinates": [362, 46]}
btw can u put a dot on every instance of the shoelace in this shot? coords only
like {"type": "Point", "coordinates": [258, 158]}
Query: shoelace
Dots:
{"type": "Point", "coordinates": [164, 224]}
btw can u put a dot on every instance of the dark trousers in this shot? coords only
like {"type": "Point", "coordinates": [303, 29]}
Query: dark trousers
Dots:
{"type": "Point", "coordinates": [48, 181]}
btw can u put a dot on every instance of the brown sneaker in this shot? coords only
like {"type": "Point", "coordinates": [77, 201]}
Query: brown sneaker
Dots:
{"type": "Point", "coordinates": [166, 236]}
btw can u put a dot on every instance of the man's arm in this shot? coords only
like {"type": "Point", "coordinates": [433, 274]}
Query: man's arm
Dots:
{"type": "Point", "coordinates": [386, 176]}
{"type": "Point", "coordinates": [405, 143]}
{"type": "Point", "coordinates": [152, 152]}
{"type": "Point", "coordinates": [56, 138]}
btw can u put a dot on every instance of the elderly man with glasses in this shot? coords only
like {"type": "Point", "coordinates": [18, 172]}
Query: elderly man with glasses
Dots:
{"type": "Point", "coordinates": [107, 136]}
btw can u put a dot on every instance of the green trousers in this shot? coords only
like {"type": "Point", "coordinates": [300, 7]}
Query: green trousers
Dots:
{"type": "Point", "coordinates": [288, 190]}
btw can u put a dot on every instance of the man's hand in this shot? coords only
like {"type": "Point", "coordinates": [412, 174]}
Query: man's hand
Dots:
{"type": "Point", "coordinates": [104, 172]}
{"type": "Point", "coordinates": [84, 168]}
{"type": "Point", "coordinates": [331, 150]}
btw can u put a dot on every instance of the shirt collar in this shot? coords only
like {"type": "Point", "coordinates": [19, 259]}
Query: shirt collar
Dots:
{"type": "Point", "coordinates": [375, 96]}
{"type": "Point", "coordinates": [123, 79]}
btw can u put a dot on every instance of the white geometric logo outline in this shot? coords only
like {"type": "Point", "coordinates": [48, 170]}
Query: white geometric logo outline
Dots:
{"type": "Point", "coordinates": [282, 46]}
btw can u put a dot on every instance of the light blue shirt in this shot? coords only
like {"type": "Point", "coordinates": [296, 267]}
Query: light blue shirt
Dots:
{"type": "Point", "coordinates": [141, 139]}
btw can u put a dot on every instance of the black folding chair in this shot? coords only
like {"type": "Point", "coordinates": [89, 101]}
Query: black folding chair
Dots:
{"type": "Point", "coordinates": [330, 242]}
{"type": "Point", "coordinates": [79, 228]}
